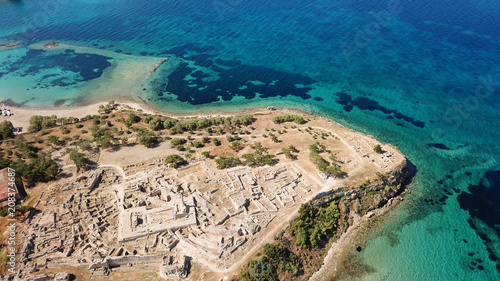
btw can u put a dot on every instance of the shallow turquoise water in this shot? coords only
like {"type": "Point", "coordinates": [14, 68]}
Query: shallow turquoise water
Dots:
{"type": "Point", "coordinates": [421, 75]}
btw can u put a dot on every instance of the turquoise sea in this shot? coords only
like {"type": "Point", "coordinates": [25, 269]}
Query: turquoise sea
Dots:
{"type": "Point", "coordinates": [423, 75]}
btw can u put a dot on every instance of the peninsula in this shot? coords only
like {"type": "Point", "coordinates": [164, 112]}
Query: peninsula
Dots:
{"type": "Point", "coordinates": [117, 191]}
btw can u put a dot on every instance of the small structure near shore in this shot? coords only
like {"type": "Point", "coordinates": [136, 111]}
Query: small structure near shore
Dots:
{"type": "Point", "coordinates": [157, 66]}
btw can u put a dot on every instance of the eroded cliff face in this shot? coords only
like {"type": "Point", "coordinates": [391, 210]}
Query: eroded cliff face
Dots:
{"type": "Point", "coordinates": [371, 194]}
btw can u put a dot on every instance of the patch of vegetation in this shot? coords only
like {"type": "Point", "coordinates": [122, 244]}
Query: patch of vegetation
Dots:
{"type": "Point", "coordinates": [25, 149]}
{"type": "Point", "coordinates": [259, 157]}
{"type": "Point", "coordinates": [19, 209]}
{"type": "Point", "coordinates": [174, 161]}
{"type": "Point", "coordinates": [147, 118]}
{"type": "Point", "coordinates": [333, 157]}
{"type": "Point", "coordinates": [108, 108]}
{"type": "Point", "coordinates": [231, 138]}
{"type": "Point", "coordinates": [65, 130]}
{"type": "Point", "coordinates": [315, 226]}
{"type": "Point", "coordinates": [275, 260]}
{"type": "Point", "coordinates": [84, 145]}
{"type": "Point", "coordinates": [156, 124]}
{"type": "Point", "coordinates": [40, 168]}
{"type": "Point", "coordinates": [259, 269]}
{"type": "Point", "coordinates": [178, 126]}
{"type": "Point", "coordinates": [53, 139]}
{"type": "Point", "coordinates": [79, 160]}
{"type": "Point", "coordinates": [177, 141]}
{"type": "Point", "coordinates": [288, 118]}
{"type": "Point", "coordinates": [37, 123]}
{"type": "Point", "coordinates": [378, 149]}
{"type": "Point", "coordinates": [324, 166]}
{"type": "Point", "coordinates": [288, 152]}
{"type": "Point", "coordinates": [237, 145]}
{"type": "Point", "coordinates": [197, 144]}
{"type": "Point", "coordinates": [283, 259]}
{"type": "Point", "coordinates": [132, 119]}
{"type": "Point", "coordinates": [103, 135]}
{"type": "Point", "coordinates": [148, 139]}
{"type": "Point", "coordinates": [227, 162]}
{"type": "Point", "coordinates": [6, 130]}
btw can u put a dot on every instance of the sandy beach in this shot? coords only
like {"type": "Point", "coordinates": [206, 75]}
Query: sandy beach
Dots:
{"type": "Point", "coordinates": [21, 115]}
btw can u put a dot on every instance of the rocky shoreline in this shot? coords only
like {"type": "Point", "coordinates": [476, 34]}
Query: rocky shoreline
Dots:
{"type": "Point", "coordinates": [333, 263]}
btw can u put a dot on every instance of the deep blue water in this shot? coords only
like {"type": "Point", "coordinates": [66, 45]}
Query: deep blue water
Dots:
{"type": "Point", "coordinates": [422, 75]}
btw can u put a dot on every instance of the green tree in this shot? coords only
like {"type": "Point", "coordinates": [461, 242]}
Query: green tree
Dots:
{"type": "Point", "coordinates": [84, 145]}
{"type": "Point", "coordinates": [259, 269]}
{"type": "Point", "coordinates": [133, 118]}
{"type": "Point", "coordinates": [304, 224]}
{"type": "Point", "coordinates": [65, 130]}
{"type": "Point", "coordinates": [39, 169]}
{"type": "Point", "coordinates": [197, 144]}
{"type": "Point", "coordinates": [170, 123]}
{"type": "Point", "coordinates": [177, 129]}
{"type": "Point", "coordinates": [106, 141]}
{"type": "Point", "coordinates": [156, 124]}
{"type": "Point", "coordinates": [231, 138]}
{"type": "Point", "coordinates": [147, 119]}
{"type": "Point", "coordinates": [148, 139]}
{"type": "Point", "coordinates": [314, 227]}
{"type": "Point", "coordinates": [178, 141]}
{"type": "Point", "coordinates": [237, 145]}
{"type": "Point", "coordinates": [174, 161]}
{"type": "Point", "coordinates": [288, 154]}
{"type": "Point", "coordinates": [79, 160]}
{"type": "Point", "coordinates": [6, 130]}
{"type": "Point", "coordinates": [53, 139]}
{"type": "Point", "coordinates": [378, 149]}
{"type": "Point", "coordinates": [227, 162]}
{"type": "Point", "coordinates": [282, 258]}
{"type": "Point", "coordinates": [259, 157]}
{"type": "Point", "coordinates": [288, 118]}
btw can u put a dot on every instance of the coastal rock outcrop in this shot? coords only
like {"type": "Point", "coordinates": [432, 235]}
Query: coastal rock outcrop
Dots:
{"type": "Point", "coordinates": [370, 195]}
{"type": "Point", "coordinates": [11, 45]}
{"type": "Point", "coordinates": [52, 44]}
